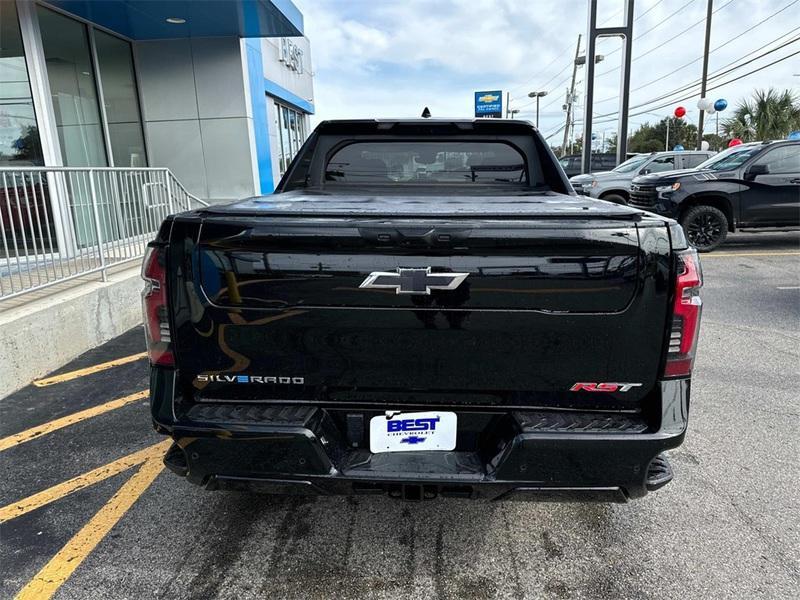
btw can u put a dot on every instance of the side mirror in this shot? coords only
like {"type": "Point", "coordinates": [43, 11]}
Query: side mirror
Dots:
{"type": "Point", "coordinates": [755, 171]}
{"type": "Point", "coordinates": [645, 172]}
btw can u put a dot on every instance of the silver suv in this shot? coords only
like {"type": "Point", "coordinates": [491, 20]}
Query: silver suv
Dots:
{"type": "Point", "coordinates": [615, 185]}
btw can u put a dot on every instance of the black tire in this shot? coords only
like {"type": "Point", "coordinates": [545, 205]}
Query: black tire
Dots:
{"type": "Point", "coordinates": [615, 198]}
{"type": "Point", "coordinates": [706, 227]}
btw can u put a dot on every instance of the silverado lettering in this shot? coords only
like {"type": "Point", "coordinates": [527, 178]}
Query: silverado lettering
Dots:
{"type": "Point", "coordinates": [462, 320]}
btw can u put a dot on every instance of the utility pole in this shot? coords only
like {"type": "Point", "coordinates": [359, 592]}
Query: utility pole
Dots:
{"type": "Point", "coordinates": [705, 73]}
{"type": "Point", "coordinates": [508, 103]}
{"type": "Point", "coordinates": [571, 96]}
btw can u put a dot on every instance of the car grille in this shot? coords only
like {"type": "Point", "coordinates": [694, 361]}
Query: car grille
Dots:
{"type": "Point", "coordinates": [643, 196]}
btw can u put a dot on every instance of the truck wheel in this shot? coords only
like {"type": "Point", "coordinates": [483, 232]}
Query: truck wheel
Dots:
{"type": "Point", "coordinates": [615, 198]}
{"type": "Point", "coordinates": [706, 227]}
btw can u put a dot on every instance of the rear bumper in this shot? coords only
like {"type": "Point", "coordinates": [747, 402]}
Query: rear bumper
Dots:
{"type": "Point", "coordinates": [531, 455]}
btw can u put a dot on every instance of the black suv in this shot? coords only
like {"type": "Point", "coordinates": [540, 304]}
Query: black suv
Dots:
{"type": "Point", "coordinates": [752, 185]}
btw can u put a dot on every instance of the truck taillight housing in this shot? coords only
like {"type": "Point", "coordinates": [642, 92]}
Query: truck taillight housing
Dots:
{"type": "Point", "coordinates": [154, 304]}
{"type": "Point", "coordinates": [685, 316]}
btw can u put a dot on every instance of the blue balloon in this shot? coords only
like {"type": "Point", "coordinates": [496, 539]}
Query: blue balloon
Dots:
{"type": "Point", "coordinates": [720, 104]}
{"type": "Point", "coordinates": [678, 148]}
{"type": "Point", "coordinates": [794, 135]}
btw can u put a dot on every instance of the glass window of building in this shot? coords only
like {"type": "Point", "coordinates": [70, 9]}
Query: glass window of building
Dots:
{"type": "Point", "coordinates": [73, 89]}
{"type": "Point", "coordinates": [19, 135]}
{"type": "Point", "coordinates": [117, 81]}
{"type": "Point", "coordinates": [291, 125]}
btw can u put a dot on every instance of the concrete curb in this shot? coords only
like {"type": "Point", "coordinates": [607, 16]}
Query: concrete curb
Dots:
{"type": "Point", "coordinates": [41, 336]}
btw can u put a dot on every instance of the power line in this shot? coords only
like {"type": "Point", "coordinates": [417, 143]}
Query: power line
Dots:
{"type": "Point", "coordinates": [662, 77]}
{"type": "Point", "coordinates": [660, 46]}
{"type": "Point", "coordinates": [568, 50]}
{"type": "Point", "coordinates": [636, 19]}
{"type": "Point", "coordinates": [713, 87]}
{"type": "Point", "coordinates": [733, 39]}
{"type": "Point", "coordinates": [555, 87]}
{"type": "Point", "coordinates": [656, 26]}
{"type": "Point", "coordinates": [714, 76]}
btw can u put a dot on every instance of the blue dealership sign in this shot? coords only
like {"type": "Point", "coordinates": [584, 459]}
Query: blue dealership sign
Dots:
{"type": "Point", "coordinates": [489, 104]}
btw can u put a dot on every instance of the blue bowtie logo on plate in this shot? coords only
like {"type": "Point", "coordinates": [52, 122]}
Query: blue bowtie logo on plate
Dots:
{"type": "Point", "coordinates": [412, 439]}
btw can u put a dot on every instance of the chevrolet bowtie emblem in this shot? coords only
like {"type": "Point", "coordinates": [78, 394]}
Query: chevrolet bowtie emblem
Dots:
{"type": "Point", "coordinates": [413, 281]}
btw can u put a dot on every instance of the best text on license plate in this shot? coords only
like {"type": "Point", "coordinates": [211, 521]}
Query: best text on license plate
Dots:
{"type": "Point", "coordinates": [409, 432]}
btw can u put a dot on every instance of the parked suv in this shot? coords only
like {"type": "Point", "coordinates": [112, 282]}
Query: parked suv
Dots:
{"type": "Point", "coordinates": [600, 162]}
{"type": "Point", "coordinates": [615, 185]}
{"type": "Point", "coordinates": [748, 186]}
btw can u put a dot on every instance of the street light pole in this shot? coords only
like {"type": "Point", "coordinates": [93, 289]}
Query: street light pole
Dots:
{"type": "Point", "coordinates": [537, 95]}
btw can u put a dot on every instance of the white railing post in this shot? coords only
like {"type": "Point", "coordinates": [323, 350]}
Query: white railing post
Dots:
{"type": "Point", "coordinates": [168, 177]}
{"type": "Point", "coordinates": [98, 230]}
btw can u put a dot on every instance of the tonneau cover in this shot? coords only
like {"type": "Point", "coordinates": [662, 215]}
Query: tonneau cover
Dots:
{"type": "Point", "coordinates": [538, 205]}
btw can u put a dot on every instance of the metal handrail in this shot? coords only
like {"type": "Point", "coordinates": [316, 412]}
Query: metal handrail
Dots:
{"type": "Point", "coordinates": [61, 223]}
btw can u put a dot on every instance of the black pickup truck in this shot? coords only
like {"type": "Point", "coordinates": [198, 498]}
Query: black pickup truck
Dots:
{"type": "Point", "coordinates": [423, 308]}
{"type": "Point", "coordinates": [750, 186]}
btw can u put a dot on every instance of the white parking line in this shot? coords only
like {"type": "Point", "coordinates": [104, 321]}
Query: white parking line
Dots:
{"type": "Point", "coordinates": [788, 287]}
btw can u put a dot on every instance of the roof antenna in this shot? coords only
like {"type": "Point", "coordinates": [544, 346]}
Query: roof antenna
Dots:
{"type": "Point", "coordinates": [426, 114]}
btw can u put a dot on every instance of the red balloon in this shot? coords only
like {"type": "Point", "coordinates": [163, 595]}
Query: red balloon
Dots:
{"type": "Point", "coordinates": [680, 111]}
{"type": "Point", "coordinates": [734, 142]}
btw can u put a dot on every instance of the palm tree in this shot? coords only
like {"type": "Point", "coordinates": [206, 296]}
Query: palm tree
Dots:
{"type": "Point", "coordinates": [770, 115]}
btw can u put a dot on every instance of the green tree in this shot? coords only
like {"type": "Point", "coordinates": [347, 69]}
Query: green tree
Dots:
{"type": "Point", "coordinates": [768, 115]}
{"type": "Point", "coordinates": [653, 138]}
{"type": "Point", "coordinates": [611, 144]}
{"type": "Point", "coordinates": [715, 142]}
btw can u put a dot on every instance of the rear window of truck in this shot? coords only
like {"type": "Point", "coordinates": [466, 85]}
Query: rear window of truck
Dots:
{"type": "Point", "coordinates": [427, 162]}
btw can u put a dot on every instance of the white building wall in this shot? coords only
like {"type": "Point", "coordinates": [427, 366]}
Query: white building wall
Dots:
{"type": "Point", "coordinates": [195, 114]}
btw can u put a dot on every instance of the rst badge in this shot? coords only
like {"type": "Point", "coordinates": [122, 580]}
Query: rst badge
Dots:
{"type": "Point", "coordinates": [413, 281]}
{"type": "Point", "coordinates": [409, 432]}
{"type": "Point", "coordinates": [604, 387]}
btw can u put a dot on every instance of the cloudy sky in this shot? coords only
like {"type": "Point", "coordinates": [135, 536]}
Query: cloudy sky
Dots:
{"type": "Point", "coordinates": [390, 58]}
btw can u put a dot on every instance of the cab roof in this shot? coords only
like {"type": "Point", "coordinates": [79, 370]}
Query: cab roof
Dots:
{"type": "Point", "coordinates": [355, 126]}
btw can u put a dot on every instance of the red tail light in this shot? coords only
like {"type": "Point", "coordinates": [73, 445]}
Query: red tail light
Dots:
{"type": "Point", "coordinates": [154, 303]}
{"type": "Point", "coordinates": [685, 316]}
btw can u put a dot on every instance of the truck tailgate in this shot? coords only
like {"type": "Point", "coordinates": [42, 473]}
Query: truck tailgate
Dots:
{"type": "Point", "coordinates": [275, 308]}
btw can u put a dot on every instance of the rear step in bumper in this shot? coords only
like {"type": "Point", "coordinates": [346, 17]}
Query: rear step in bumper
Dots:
{"type": "Point", "coordinates": [295, 449]}
{"type": "Point", "coordinates": [415, 492]}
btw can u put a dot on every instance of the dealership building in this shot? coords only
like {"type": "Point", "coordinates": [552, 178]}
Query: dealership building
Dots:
{"type": "Point", "coordinates": [220, 92]}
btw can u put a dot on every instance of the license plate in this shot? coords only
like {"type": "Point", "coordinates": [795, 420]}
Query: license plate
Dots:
{"type": "Point", "coordinates": [413, 431]}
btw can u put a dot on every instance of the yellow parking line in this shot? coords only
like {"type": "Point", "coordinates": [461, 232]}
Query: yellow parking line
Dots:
{"type": "Point", "coordinates": [53, 575]}
{"type": "Point", "coordinates": [722, 254]}
{"type": "Point", "coordinates": [49, 427]}
{"type": "Point", "coordinates": [26, 505]}
{"type": "Point", "coordinates": [89, 370]}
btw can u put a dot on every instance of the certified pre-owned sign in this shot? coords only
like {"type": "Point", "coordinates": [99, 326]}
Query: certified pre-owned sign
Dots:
{"type": "Point", "coordinates": [489, 104]}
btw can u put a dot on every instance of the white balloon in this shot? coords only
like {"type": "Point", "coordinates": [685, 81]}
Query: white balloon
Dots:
{"type": "Point", "coordinates": [704, 145]}
{"type": "Point", "coordinates": [711, 110]}
{"type": "Point", "coordinates": [702, 104]}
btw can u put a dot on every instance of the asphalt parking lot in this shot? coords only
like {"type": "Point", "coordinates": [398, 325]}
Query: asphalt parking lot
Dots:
{"type": "Point", "coordinates": [88, 512]}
